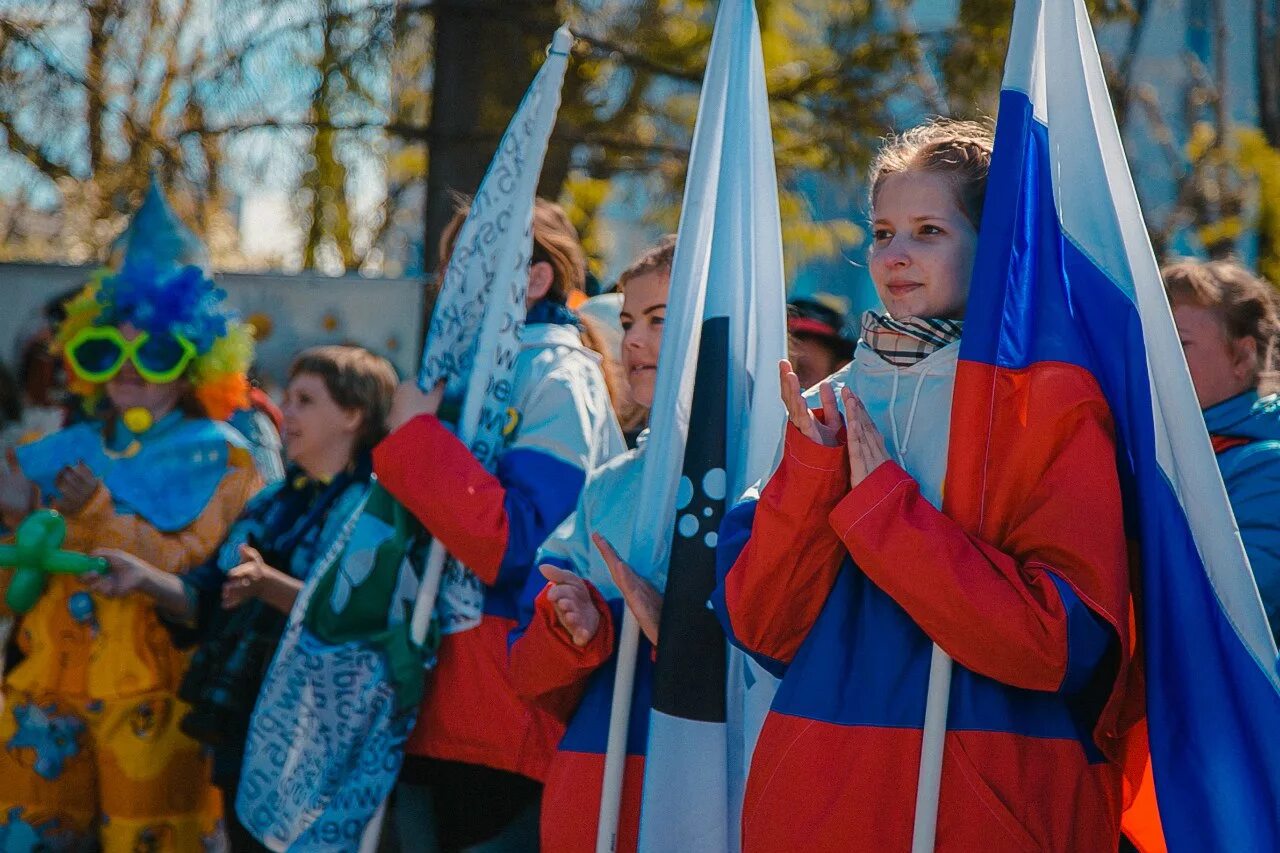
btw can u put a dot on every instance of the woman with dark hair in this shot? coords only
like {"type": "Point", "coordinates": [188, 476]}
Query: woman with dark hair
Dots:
{"type": "Point", "coordinates": [235, 604]}
{"type": "Point", "coordinates": [1228, 320]}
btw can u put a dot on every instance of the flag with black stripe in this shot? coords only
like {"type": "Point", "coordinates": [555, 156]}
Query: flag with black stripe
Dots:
{"type": "Point", "coordinates": [716, 427]}
{"type": "Point", "coordinates": [689, 675]}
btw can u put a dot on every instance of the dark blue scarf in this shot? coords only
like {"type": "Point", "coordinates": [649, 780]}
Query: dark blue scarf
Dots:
{"type": "Point", "coordinates": [550, 311]}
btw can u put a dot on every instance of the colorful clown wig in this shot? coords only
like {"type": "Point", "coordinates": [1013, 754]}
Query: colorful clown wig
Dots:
{"type": "Point", "coordinates": [156, 283]}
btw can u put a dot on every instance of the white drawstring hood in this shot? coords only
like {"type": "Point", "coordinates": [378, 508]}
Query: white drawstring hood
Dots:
{"type": "Point", "coordinates": [928, 411]}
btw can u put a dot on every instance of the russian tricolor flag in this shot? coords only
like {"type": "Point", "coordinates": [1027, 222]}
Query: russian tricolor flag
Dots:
{"type": "Point", "coordinates": [1065, 274]}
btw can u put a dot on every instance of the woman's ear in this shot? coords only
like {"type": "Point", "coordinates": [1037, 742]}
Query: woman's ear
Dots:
{"type": "Point", "coordinates": [541, 276]}
{"type": "Point", "coordinates": [1244, 359]}
{"type": "Point", "coordinates": [352, 420]}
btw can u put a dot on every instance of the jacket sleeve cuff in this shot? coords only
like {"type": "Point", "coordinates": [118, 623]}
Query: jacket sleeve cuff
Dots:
{"type": "Point", "coordinates": [594, 653]}
{"type": "Point", "coordinates": [84, 524]}
{"type": "Point", "coordinates": [819, 474]}
{"type": "Point", "coordinates": [405, 443]}
{"type": "Point", "coordinates": [868, 499]}
{"type": "Point", "coordinates": [98, 505]}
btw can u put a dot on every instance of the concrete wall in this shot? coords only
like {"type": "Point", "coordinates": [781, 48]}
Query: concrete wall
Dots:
{"type": "Point", "coordinates": [384, 315]}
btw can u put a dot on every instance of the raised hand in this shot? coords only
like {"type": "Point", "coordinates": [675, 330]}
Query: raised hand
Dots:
{"type": "Point", "coordinates": [410, 401]}
{"type": "Point", "coordinates": [573, 605]}
{"type": "Point", "coordinates": [644, 601]}
{"type": "Point", "coordinates": [823, 432]}
{"type": "Point", "coordinates": [866, 444]}
{"type": "Point", "coordinates": [76, 485]}
{"type": "Point", "coordinates": [246, 580]}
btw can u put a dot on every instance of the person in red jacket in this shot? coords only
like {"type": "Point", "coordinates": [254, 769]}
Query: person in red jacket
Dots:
{"type": "Point", "coordinates": [851, 566]}
{"type": "Point", "coordinates": [563, 658]}
{"type": "Point", "coordinates": [477, 758]}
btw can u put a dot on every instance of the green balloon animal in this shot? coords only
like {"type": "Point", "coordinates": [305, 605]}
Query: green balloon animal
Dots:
{"type": "Point", "coordinates": [35, 554]}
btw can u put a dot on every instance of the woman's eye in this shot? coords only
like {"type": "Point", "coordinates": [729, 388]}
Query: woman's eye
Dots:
{"type": "Point", "coordinates": [930, 229]}
{"type": "Point", "coordinates": [879, 235]}
{"type": "Point", "coordinates": [657, 321]}
{"type": "Point", "coordinates": [626, 325]}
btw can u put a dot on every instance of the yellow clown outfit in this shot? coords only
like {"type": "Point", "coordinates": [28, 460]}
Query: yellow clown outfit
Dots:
{"type": "Point", "coordinates": [90, 744]}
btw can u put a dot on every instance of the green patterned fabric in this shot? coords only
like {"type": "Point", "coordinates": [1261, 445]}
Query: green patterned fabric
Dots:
{"type": "Point", "coordinates": [366, 592]}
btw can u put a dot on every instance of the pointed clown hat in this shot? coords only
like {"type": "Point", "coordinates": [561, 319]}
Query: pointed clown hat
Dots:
{"type": "Point", "coordinates": [156, 282]}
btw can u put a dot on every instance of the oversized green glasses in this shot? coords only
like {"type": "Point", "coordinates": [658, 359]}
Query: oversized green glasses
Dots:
{"type": "Point", "coordinates": [97, 353]}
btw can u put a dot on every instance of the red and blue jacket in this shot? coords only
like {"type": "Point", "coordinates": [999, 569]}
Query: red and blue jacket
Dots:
{"type": "Point", "coordinates": [576, 684]}
{"type": "Point", "coordinates": [494, 523]}
{"type": "Point", "coordinates": [1021, 578]}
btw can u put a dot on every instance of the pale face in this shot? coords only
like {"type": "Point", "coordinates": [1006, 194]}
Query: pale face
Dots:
{"type": "Point", "coordinates": [127, 390]}
{"type": "Point", "coordinates": [922, 247]}
{"type": "Point", "coordinates": [1221, 367]}
{"type": "Point", "coordinates": [319, 435]}
{"type": "Point", "coordinates": [644, 309]}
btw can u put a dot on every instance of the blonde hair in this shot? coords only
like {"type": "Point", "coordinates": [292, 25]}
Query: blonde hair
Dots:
{"type": "Point", "coordinates": [555, 241]}
{"type": "Point", "coordinates": [658, 258]}
{"type": "Point", "coordinates": [959, 150]}
{"type": "Point", "coordinates": [1246, 305]}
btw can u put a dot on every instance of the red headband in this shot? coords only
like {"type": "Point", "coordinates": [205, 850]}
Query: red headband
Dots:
{"type": "Point", "coordinates": [805, 325]}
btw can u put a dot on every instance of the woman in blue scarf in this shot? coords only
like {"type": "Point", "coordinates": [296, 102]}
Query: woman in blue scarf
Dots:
{"type": "Point", "coordinates": [235, 605]}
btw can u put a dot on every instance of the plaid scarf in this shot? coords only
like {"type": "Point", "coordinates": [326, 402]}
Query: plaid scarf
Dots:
{"type": "Point", "coordinates": [903, 343]}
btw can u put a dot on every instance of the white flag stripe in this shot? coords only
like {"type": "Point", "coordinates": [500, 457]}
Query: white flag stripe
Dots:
{"type": "Point", "coordinates": [1076, 86]}
{"type": "Point", "coordinates": [1024, 63]}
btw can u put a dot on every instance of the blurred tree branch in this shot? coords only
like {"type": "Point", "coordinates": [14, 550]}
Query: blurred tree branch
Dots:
{"type": "Point", "coordinates": [323, 96]}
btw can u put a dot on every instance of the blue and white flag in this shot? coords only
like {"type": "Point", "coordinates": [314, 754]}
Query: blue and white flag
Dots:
{"type": "Point", "coordinates": [724, 334]}
{"type": "Point", "coordinates": [473, 338]}
{"type": "Point", "coordinates": [1065, 273]}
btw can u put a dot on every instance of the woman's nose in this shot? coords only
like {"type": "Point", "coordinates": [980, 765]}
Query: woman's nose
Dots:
{"type": "Point", "coordinates": [894, 254]}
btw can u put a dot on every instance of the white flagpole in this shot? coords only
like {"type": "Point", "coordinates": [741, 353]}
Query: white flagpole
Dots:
{"type": "Point", "coordinates": [425, 603]}
{"type": "Point", "coordinates": [372, 836]}
{"type": "Point", "coordinates": [929, 782]}
{"type": "Point", "coordinates": [1020, 66]}
{"type": "Point", "coordinates": [538, 127]}
{"type": "Point", "coordinates": [619, 724]}
{"type": "Point", "coordinates": [731, 145]}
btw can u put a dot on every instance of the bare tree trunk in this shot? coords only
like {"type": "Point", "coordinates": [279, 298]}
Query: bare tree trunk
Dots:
{"type": "Point", "coordinates": [1266, 18]}
{"type": "Point", "coordinates": [485, 57]}
{"type": "Point", "coordinates": [1230, 203]}
{"type": "Point", "coordinates": [327, 178]}
{"type": "Point", "coordinates": [1121, 83]}
{"type": "Point", "coordinates": [94, 103]}
{"type": "Point", "coordinates": [98, 39]}
{"type": "Point", "coordinates": [1266, 15]}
